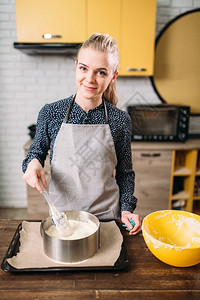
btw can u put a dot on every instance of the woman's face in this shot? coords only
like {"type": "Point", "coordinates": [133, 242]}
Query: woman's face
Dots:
{"type": "Point", "coordinates": [93, 73]}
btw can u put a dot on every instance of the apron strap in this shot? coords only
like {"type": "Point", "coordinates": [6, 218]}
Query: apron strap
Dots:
{"type": "Point", "coordinates": [69, 111]}
{"type": "Point", "coordinates": [105, 110]}
{"type": "Point", "coordinates": [70, 108]}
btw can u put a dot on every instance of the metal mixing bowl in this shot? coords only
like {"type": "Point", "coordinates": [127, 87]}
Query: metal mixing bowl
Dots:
{"type": "Point", "coordinates": [71, 251]}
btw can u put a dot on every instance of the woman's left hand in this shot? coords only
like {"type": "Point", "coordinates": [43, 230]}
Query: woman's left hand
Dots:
{"type": "Point", "coordinates": [126, 215]}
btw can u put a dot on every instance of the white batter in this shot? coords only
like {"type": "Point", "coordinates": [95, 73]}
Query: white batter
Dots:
{"type": "Point", "coordinates": [79, 230]}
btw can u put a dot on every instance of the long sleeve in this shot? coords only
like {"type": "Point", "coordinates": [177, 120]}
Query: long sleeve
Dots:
{"type": "Point", "coordinates": [125, 175]}
{"type": "Point", "coordinates": [41, 143]}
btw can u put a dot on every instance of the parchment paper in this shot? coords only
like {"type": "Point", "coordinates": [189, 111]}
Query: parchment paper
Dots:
{"type": "Point", "coordinates": [31, 253]}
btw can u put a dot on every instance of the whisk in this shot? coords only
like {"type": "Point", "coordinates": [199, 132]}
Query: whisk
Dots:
{"type": "Point", "coordinates": [59, 218]}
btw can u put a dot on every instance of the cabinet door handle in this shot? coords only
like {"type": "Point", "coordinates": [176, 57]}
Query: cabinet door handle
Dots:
{"type": "Point", "coordinates": [136, 69]}
{"type": "Point", "coordinates": [150, 154]}
{"type": "Point", "coordinates": [49, 36]}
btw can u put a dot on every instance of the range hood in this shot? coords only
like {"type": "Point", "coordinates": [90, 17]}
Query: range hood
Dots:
{"type": "Point", "coordinates": [48, 48]}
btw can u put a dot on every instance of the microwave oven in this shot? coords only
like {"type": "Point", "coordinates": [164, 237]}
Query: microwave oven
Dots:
{"type": "Point", "coordinates": [159, 122]}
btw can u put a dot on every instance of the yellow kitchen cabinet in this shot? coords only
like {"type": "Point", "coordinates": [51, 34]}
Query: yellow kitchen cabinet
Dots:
{"type": "Point", "coordinates": [104, 17]}
{"type": "Point", "coordinates": [130, 22]}
{"type": "Point", "coordinates": [185, 180]}
{"type": "Point", "coordinates": [50, 21]}
{"type": "Point", "coordinates": [137, 37]}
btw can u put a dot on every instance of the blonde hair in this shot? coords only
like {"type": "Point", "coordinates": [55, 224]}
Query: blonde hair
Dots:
{"type": "Point", "coordinates": [105, 43]}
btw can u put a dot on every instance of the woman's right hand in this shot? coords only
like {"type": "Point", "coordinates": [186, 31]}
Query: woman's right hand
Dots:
{"type": "Point", "coordinates": [34, 174]}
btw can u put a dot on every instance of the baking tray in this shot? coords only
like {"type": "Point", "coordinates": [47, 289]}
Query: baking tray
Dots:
{"type": "Point", "coordinates": [120, 264]}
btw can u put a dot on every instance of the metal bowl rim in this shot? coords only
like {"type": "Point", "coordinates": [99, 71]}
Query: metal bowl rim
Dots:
{"type": "Point", "coordinates": [42, 230]}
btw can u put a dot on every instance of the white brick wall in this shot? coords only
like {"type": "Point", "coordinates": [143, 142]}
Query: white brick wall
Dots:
{"type": "Point", "coordinates": [28, 82]}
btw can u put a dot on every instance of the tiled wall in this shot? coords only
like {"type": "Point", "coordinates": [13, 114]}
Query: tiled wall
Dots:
{"type": "Point", "coordinates": [28, 82]}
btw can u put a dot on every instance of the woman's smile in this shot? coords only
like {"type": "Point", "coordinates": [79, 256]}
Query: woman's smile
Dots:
{"type": "Point", "coordinates": [89, 88]}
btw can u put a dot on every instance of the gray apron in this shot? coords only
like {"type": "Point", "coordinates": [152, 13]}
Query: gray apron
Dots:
{"type": "Point", "coordinates": [82, 169]}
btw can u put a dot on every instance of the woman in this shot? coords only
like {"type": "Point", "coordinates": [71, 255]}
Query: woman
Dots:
{"type": "Point", "coordinates": [89, 139]}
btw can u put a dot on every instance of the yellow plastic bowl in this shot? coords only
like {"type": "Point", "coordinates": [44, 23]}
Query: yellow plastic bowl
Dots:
{"type": "Point", "coordinates": [173, 237]}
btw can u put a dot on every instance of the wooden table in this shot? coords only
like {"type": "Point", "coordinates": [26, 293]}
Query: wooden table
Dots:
{"type": "Point", "coordinates": [147, 277]}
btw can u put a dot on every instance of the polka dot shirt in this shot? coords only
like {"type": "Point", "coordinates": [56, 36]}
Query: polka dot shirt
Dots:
{"type": "Point", "coordinates": [49, 122]}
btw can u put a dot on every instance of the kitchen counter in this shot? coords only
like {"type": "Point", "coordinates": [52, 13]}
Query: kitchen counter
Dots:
{"type": "Point", "coordinates": [137, 145]}
{"type": "Point", "coordinates": [146, 278]}
{"type": "Point", "coordinates": [187, 145]}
